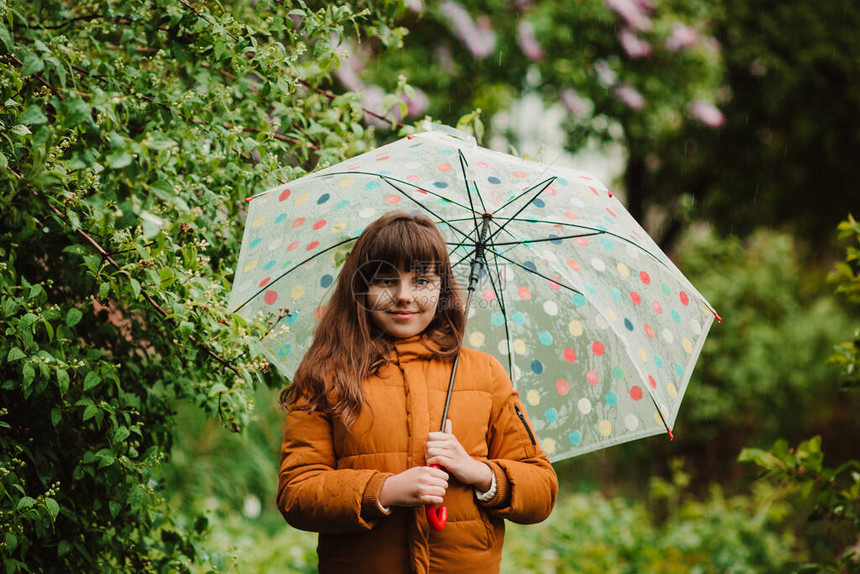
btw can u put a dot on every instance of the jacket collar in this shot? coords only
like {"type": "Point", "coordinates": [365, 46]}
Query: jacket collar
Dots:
{"type": "Point", "coordinates": [413, 348]}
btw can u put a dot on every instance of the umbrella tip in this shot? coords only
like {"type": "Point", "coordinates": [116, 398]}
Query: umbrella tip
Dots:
{"type": "Point", "coordinates": [248, 199]}
{"type": "Point", "coordinates": [610, 193]}
{"type": "Point", "coordinates": [671, 436]}
{"type": "Point", "coordinates": [409, 137]}
{"type": "Point", "coordinates": [718, 318]}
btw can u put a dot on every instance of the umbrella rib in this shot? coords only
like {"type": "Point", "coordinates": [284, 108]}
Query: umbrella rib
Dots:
{"type": "Point", "coordinates": [545, 239]}
{"type": "Point", "coordinates": [546, 183]}
{"type": "Point", "coordinates": [463, 164]}
{"type": "Point", "coordinates": [390, 179]}
{"type": "Point", "coordinates": [550, 279]}
{"type": "Point", "coordinates": [502, 309]}
{"type": "Point", "coordinates": [290, 270]}
{"type": "Point", "coordinates": [427, 209]}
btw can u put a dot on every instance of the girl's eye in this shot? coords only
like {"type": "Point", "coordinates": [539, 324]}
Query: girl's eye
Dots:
{"type": "Point", "coordinates": [385, 281]}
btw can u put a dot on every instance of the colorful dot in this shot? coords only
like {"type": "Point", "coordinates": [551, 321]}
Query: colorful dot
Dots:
{"type": "Point", "coordinates": [284, 195]}
{"type": "Point", "coordinates": [592, 377]}
{"type": "Point", "coordinates": [392, 199]}
{"type": "Point", "coordinates": [298, 222]}
{"type": "Point", "coordinates": [597, 348]}
{"type": "Point", "coordinates": [518, 318]}
{"type": "Point", "coordinates": [575, 328]}
{"type": "Point", "coordinates": [687, 345]}
{"type": "Point", "coordinates": [537, 367]}
{"type": "Point", "coordinates": [685, 299]}
{"type": "Point", "coordinates": [611, 399]}
{"type": "Point", "coordinates": [319, 224]}
{"type": "Point", "coordinates": [300, 200]}
{"type": "Point", "coordinates": [636, 393]}
{"type": "Point", "coordinates": [575, 437]}
{"type": "Point", "coordinates": [443, 167]}
{"type": "Point", "coordinates": [628, 324]}
{"type": "Point", "coordinates": [631, 422]}
{"type": "Point", "coordinates": [584, 406]}
{"type": "Point", "coordinates": [673, 392]}
{"type": "Point", "coordinates": [634, 296]}
{"type": "Point", "coordinates": [644, 277]}
{"type": "Point", "coordinates": [476, 339]}
{"type": "Point", "coordinates": [548, 445]}
{"type": "Point", "coordinates": [264, 282]}
{"type": "Point", "coordinates": [533, 397]}
{"type": "Point", "coordinates": [255, 242]}
{"type": "Point", "coordinates": [623, 270]}
{"type": "Point", "coordinates": [569, 355]}
{"type": "Point", "coordinates": [292, 245]}
{"type": "Point", "coordinates": [652, 382]}
{"type": "Point", "coordinates": [297, 292]}
{"type": "Point", "coordinates": [574, 265]}
{"type": "Point", "coordinates": [323, 198]}
{"type": "Point", "coordinates": [494, 180]}
{"type": "Point", "coordinates": [280, 218]}
{"type": "Point", "coordinates": [313, 245]}
{"type": "Point", "coordinates": [326, 281]}
{"type": "Point", "coordinates": [270, 297]}
{"type": "Point", "coordinates": [657, 307]}
{"type": "Point", "coordinates": [578, 299]}
{"type": "Point", "coordinates": [550, 415]}
{"type": "Point", "coordinates": [545, 338]}
{"type": "Point", "coordinates": [561, 386]}
{"type": "Point", "coordinates": [284, 351]}
{"type": "Point", "coordinates": [605, 428]}
{"type": "Point", "coordinates": [524, 293]}
{"type": "Point", "coordinates": [617, 373]}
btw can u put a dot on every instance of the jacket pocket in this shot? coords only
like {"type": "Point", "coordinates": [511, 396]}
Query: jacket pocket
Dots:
{"type": "Point", "coordinates": [525, 424]}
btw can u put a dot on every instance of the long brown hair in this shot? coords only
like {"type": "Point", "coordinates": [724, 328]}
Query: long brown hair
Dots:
{"type": "Point", "coordinates": [347, 347]}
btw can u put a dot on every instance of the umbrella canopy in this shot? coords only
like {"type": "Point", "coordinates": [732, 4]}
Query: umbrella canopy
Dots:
{"type": "Point", "coordinates": [598, 328]}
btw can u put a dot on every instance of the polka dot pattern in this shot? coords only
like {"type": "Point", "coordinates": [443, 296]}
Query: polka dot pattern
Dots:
{"type": "Point", "coordinates": [600, 330]}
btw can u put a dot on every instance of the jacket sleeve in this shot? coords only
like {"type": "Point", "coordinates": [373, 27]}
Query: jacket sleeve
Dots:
{"type": "Point", "coordinates": [312, 493]}
{"type": "Point", "coordinates": [525, 480]}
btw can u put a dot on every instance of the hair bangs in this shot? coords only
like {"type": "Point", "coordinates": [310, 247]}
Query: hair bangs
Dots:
{"type": "Point", "coordinates": [409, 245]}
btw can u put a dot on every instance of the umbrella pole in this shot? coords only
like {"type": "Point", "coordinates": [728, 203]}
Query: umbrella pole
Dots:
{"type": "Point", "coordinates": [438, 516]}
{"type": "Point", "coordinates": [474, 275]}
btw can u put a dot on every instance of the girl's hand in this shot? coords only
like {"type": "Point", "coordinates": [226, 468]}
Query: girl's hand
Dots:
{"type": "Point", "coordinates": [444, 449]}
{"type": "Point", "coordinates": [417, 486]}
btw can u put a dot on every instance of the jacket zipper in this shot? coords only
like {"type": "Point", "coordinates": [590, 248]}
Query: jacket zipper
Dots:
{"type": "Point", "coordinates": [525, 424]}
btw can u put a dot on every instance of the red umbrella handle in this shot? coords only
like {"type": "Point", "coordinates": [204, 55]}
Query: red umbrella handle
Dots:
{"type": "Point", "coordinates": [437, 516]}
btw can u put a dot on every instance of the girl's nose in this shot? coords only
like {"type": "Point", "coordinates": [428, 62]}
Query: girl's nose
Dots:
{"type": "Point", "coordinates": [405, 292]}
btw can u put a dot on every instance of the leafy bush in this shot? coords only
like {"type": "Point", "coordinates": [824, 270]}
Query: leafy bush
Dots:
{"type": "Point", "coordinates": [130, 132]}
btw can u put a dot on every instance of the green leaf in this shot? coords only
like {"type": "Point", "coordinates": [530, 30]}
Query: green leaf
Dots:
{"type": "Point", "coordinates": [119, 159]}
{"type": "Point", "coordinates": [6, 41]}
{"type": "Point", "coordinates": [114, 508]}
{"type": "Point", "coordinates": [29, 374]}
{"type": "Point", "coordinates": [33, 116]}
{"type": "Point", "coordinates": [73, 316]}
{"type": "Point", "coordinates": [56, 416]}
{"type": "Point", "coordinates": [90, 412]}
{"type": "Point", "coordinates": [62, 380]}
{"type": "Point", "coordinates": [15, 354]}
{"type": "Point", "coordinates": [91, 380]}
{"type": "Point", "coordinates": [11, 542]}
{"type": "Point", "coordinates": [24, 503]}
{"type": "Point", "coordinates": [53, 507]}
{"type": "Point", "coordinates": [32, 64]}
{"type": "Point", "coordinates": [121, 434]}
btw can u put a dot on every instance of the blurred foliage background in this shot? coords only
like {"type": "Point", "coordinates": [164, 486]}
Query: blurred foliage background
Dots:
{"type": "Point", "coordinates": [138, 425]}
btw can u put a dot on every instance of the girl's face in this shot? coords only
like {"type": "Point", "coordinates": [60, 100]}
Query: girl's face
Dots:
{"type": "Point", "coordinates": [403, 303]}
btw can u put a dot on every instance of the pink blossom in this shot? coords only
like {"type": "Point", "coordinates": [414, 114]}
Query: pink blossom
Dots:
{"type": "Point", "coordinates": [629, 96]}
{"type": "Point", "coordinates": [682, 37]}
{"type": "Point", "coordinates": [631, 12]}
{"type": "Point", "coordinates": [416, 104]}
{"type": "Point", "coordinates": [478, 37]}
{"type": "Point", "coordinates": [576, 105]}
{"type": "Point", "coordinates": [707, 113]}
{"type": "Point", "coordinates": [528, 42]}
{"type": "Point", "coordinates": [416, 6]}
{"type": "Point", "coordinates": [605, 75]}
{"type": "Point", "coordinates": [635, 46]}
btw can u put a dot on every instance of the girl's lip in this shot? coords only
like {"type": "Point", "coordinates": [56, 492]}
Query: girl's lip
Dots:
{"type": "Point", "coordinates": [402, 314]}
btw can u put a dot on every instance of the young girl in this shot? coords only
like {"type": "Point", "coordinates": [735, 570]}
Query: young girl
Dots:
{"type": "Point", "coordinates": [364, 412]}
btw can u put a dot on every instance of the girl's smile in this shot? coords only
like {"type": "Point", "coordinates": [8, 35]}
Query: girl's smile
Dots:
{"type": "Point", "coordinates": [403, 303]}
